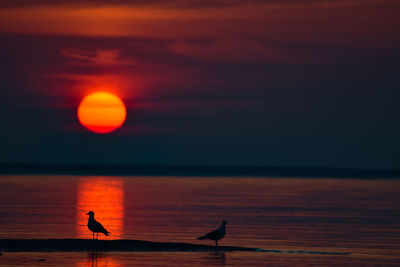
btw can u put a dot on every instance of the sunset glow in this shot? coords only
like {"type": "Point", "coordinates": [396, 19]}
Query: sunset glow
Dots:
{"type": "Point", "coordinates": [102, 112]}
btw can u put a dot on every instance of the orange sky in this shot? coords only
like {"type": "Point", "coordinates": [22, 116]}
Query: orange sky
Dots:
{"type": "Point", "coordinates": [303, 21]}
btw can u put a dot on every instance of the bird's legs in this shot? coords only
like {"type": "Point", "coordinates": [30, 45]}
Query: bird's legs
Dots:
{"type": "Point", "coordinates": [93, 235]}
{"type": "Point", "coordinates": [97, 238]}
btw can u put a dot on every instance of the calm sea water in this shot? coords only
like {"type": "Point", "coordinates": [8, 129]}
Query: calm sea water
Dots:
{"type": "Point", "coordinates": [361, 217]}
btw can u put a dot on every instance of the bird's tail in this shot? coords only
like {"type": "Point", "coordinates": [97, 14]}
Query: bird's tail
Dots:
{"type": "Point", "coordinates": [201, 237]}
{"type": "Point", "coordinates": [106, 233]}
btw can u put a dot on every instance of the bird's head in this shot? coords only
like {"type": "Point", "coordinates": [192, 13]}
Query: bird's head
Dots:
{"type": "Point", "coordinates": [90, 213]}
{"type": "Point", "coordinates": [224, 222]}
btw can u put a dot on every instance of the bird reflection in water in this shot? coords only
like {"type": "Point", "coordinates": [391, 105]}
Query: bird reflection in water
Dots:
{"type": "Point", "coordinates": [215, 258]}
{"type": "Point", "coordinates": [99, 259]}
{"type": "Point", "coordinates": [105, 196]}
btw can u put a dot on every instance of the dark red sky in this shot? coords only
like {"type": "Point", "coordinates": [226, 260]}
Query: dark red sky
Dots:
{"type": "Point", "coordinates": [270, 83]}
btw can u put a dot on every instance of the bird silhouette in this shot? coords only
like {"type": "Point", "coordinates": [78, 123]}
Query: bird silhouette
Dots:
{"type": "Point", "coordinates": [95, 226]}
{"type": "Point", "coordinates": [216, 234]}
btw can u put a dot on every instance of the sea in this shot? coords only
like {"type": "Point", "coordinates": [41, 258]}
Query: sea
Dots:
{"type": "Point", "coordinates": [293, 221]}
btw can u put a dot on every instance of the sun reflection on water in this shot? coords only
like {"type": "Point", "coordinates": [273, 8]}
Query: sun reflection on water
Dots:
{"type": "Point", "coordinates": [104, 196]}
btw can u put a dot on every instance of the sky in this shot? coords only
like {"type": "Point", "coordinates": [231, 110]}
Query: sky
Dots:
{"type": "Point", "coordinates": [300, 83]}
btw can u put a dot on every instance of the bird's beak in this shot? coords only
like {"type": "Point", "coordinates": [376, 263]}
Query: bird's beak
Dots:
{"type": "Point", "coordinates": [87, 213]}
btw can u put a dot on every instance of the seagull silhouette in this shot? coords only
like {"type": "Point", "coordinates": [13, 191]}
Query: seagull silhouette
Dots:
{"type": "Point", "coordinates": [216, 234]}
{"type": "Point", "coordinates": [95, 226]}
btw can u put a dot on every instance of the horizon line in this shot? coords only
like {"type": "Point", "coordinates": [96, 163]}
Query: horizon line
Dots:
{"type": "Point", "coordinates": [194, 170]}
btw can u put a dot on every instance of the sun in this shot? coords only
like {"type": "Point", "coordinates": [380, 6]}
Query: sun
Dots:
{"type": "Point", "coordinates": [102, 112]}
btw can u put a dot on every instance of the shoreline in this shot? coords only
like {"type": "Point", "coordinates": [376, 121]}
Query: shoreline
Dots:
{"type": "Point", "coordinates": [83, 245]}
{"type": "Point", "coordinates": [25, 245]}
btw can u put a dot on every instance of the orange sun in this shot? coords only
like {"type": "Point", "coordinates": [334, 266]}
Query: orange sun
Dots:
{"type": "Point", "coordinates": [102, 112]}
